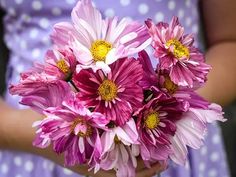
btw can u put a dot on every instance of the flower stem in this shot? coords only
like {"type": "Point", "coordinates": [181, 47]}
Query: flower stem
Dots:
{"type": "Point", "coordinates": [74, 86]}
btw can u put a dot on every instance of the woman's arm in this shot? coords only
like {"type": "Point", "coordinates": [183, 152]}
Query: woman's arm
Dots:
{"type": "Point", "coordinates": [16, 133]}
{"type": "Point", "coordinates": [220, 28]}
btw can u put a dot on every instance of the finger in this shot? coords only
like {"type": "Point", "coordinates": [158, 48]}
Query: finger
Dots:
{"type": "Point", "coordinates": [149, 172]}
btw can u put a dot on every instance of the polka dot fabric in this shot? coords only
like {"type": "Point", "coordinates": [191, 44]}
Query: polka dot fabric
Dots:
{"type": "Point", "coordinates": [28, 24]}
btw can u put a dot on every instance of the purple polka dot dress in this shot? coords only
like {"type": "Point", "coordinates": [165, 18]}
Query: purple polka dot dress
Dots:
{"type": "Point", "coordinates": [28, 24]}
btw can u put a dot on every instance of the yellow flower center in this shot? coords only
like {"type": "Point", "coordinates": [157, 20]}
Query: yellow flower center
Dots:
{"type": "Point", "coordinates": [152, 120]}
{"type": "Point", "coordinates": [116, 140]}
{"type": "Point", "coordinates": [169, 85]}
{"type": "Point", "coordinates": [89, 129]}
{"type": "Point", "coordinates": [179, 49]}
{"type": "Point", "coordinates": [99, 50]}
{"type": "Point", "coordinates": [107, 90]}
{"type": "Point", "coordinates": [61, 64]}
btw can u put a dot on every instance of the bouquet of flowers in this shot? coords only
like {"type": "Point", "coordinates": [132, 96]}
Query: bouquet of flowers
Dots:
{"type": "Point", "coordinates": [104, 103]}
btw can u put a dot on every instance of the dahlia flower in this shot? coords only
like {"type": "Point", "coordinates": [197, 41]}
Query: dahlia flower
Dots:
{"type": "Point", "coordinates": [118, 150]}
{"type": "Point", "coordinates": [177, 54]}
{"type": "Point", "coordinates": [116, 95]}
{"type": "Point", "coordinates": [98, 42]}
{"type": "Point", "coordinates": [73, 130]}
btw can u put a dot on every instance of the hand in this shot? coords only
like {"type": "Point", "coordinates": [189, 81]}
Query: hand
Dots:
{"type": "Point", "coordinates": [143, 171]}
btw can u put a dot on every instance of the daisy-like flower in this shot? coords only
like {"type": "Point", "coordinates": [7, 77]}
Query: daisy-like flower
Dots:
{"type": "Point", "coordinates": [119, 152]}
{"type": "Point", "coordinates": [47, 95]}
{"type": "Point", "coordinates": [60, 63]}
{"type": "Point", "coordinates": [74, 131]}
{"type": "Point", "coordinates": [156, 124]}
{"type": "Point", "coordinates": [99, 42]}
{"type": "Point", "coordinates": [116, 95]}
{"type": "Point", "coordinates": [177, 54]}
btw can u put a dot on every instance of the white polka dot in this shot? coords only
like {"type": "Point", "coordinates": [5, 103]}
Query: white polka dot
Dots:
{"type": "Point", "coordinates": [33, 33]}
{"type": "Point", "coordinates": [188, 21]}
{"type": "Point", "coordinates": [29, 166]}
{"type": "Point", "coordinates": [216, 139]}
{"type": "Point", "coordinates": [36, 53]}
{"type": "Point", "coordinates": [37, 5]}
{"type": "Point", "coordinates": [187, 167]}
{"type": "Point", "coordinates": [12, 11]}
{"type": "Point", "coordinates": [159, 17]}
{"type": "Point", "coordinates": [51, 166]}
{"type": "Point", "coordinates": [56, 11]}
{"type": "Point", "coordinates": [18, 175]}
{"type": "Point", "coordinates": [188, 3]}
{"type": "Point", "coordinates": [70, 1]}
{"type": "Point", "coordinates": [19, 68]}
{"type": "Point", "coordinates": [203, 151]}
{"type": "Point", "coordinates": [109, 12]}
{"type": "Point", "coordinates": [124, 2]}
{"type": "Point", "coordinates": [44, 23]}
{"type": "Point", "coordinates": [215, 156]}
{"type": "Point", "coordinates": [181, 13]}
{"type": "Point", "coordinates": [129, 19]}
{"type": "Point", "coordinates": [17, 161]}
{"type": "Point", "coordinates": [171, 5]}
{"type": "Point", "coordinates": [212, 173]}
{"type": "Point", "coordinates": [47, 165]}
{"type": "Point", "coordinates": [46, 40]}
{"type": "Point", "coordinates": [26, 18]}
{"type": "Point", "coordinates": [202, 166]}
{"type": "Point", "coordinates": [4, 168]}
{"type": "Point", "coordinates": [195, 30]}
{"type": "Point", "coordinates": [143, 8]}
{"type": "Point", "coordinates": [18, 1]}
{"type": "Point", "coordinates": [67, 171]}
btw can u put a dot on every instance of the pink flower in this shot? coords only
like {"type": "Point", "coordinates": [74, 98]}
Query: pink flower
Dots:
{"type": "Point", "coordinates": [47, 95]}
{"type": "Point", "coordinates": [116, 95]}
{"type": "Point", "coordinates": [99, 42]}
{"type": "Point", "coordinates": [177, 54]}
{"type": "Point", "coordinates": [60, 63]}
{"type": "Point", "coordinates": [74, 131]}
{"type": "Point", "coordinates": [156, 124]}
{"type": "Point", "coordinates": [119, 152]}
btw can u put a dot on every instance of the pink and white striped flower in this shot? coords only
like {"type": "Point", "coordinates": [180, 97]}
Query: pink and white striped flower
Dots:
{"type": "Point", "coordinates": [177, 54]}
{"type": "Point", "coordinates": [98, 42]}
{"type": "Point", "coordinates": [156, 125]}
{"type": "Point", "coordinates": [116, 95]}
{"type": "Point", "coordinates": [74, 131]}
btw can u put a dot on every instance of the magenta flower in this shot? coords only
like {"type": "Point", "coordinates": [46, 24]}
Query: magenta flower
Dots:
{"type": "Point", "coordinates": [119, 152]}
{"type": "Point", "coordinates": [99, 42]}
{"type": "Point", "coordinates": [156, 124]}
{"type": "Point", "coordinates": [74, 131]}
{"type": "Point", "coordinates": [116, 95]}
{"type": "Point", "coordinates": [177, 54]}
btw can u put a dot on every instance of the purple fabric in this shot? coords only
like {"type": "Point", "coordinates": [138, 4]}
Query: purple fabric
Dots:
{"type": "Point", "coordinates": [28, 24]}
